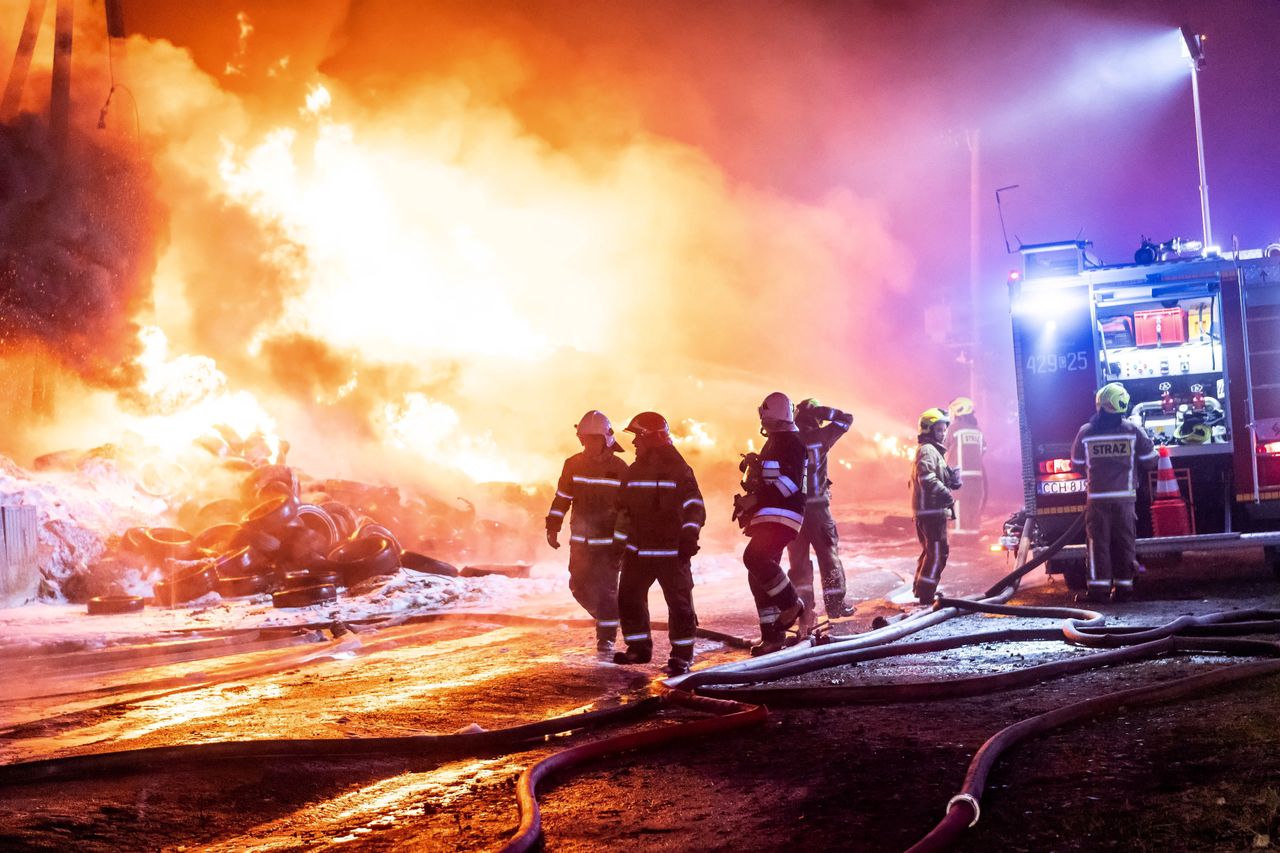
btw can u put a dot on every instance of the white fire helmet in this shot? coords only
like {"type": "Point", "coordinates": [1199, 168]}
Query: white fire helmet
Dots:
{"type": "Point", "coordinates": [777, 409]}
{"type": "Point", "coordinates": [596, 423]}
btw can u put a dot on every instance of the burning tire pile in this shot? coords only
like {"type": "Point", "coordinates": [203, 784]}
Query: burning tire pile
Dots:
{"type": "Point", "coordinates": [301, 546]}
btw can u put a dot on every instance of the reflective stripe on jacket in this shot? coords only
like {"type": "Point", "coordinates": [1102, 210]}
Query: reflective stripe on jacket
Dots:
{"type": "Point", "coordinates": [1110, 455]}
{"type": "Point", "coordinates": [929, 492]}
{"type": "Point", "coordinates": [782, 496]}
{"type": "Point", "coordinates": [659, 505]}
{"type": "Point", "coordinates": [588, 484]}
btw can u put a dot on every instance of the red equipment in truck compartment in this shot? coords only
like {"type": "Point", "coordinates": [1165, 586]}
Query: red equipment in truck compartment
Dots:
{"type": "Point", "coordinates": [1160, 326]}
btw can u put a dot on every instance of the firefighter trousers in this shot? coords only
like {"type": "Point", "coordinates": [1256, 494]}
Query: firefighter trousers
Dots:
{"type": "Point", "coordinates": [676, 580]}
{"type": "Point", "coordinates": [819, 533]}
{"type": "Point", "coordinates": [1112, 531]}
{"type": "Point", "coordinates": [772, 591]}
{"type": "Point", "coordinates": [593, 580]}
{"type": "Point", "coordinates": [931, 530]}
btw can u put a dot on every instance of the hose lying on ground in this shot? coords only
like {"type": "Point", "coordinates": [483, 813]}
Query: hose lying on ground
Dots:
{"type": "Point", "coordinates": [416, 746]}
{"type": "Point", "coordinates": [964, 808]}
{"type": "Point", "coordinates": [731, 715]}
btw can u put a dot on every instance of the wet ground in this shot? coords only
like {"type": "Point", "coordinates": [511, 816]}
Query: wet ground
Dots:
{"type": "Point", "coordinates": [1197, 775]}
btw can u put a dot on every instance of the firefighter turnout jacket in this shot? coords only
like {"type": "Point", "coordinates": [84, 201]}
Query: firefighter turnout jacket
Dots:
{"type": "Point", "coordinates": [783, 478]}
{"type": "Point", "coordinates": [589, 484]}
{"type": "Point", "coordinates": [1110, 450]}
{"type": "Point", "coordinates": [931, 481]}
{"type": "Point", "coordinates": [818, 443]}
{"type": "Point", "coordinates": [660, 510]}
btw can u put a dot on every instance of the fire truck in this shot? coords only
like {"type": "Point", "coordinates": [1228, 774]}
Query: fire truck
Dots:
{"type": "Point", "coordinates": [1196, 342]}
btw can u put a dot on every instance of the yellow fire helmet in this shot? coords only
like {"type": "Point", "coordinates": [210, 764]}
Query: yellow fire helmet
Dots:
{"type": "Point", "coordinates": [932, 417]}
{"type": "Point", "coordinates": [960, 407]}
{"type": "Point", "coordinates": [1112, 398]}
{"type": "Point", "coordinates": [1195, 433]}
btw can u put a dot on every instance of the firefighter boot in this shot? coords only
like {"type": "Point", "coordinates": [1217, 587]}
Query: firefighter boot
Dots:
{"type": "Point", "coordinates": [838, 608]}
{"type": "Point", "coordinates": [637, 653]}
{"type": "Point", "coordinates": [678, 665]}
{"type": "Point", "coordinates": [772, 639]}
{"type": "Point", "coordinates": [604, 649]}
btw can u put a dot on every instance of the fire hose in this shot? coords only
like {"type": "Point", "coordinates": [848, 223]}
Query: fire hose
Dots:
{"type": "Point", "coordinates": [731, 716]}
{"type": "Point", "coordinates": [415, 746]}
{"type": "Point", "coordinates": [964, 809]}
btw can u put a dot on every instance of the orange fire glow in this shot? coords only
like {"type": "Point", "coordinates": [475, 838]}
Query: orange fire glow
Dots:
{"type": "Point", "coordinates": [420, 287]}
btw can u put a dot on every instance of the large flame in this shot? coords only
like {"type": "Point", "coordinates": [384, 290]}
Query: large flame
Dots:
{"type": "Point", "coordinates": [422, 287]}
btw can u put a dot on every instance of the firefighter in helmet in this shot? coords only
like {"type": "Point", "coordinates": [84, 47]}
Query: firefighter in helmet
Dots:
{"type": "Point", "coordinates": [965, 448]}
{"type": "Point", "coordinates": [1110, 451]}
{"type": "Point", "coordinates": [820, 427]}
{"type": "Point", "coordinates": [771, 514]}
{"type": "Point", "coordinates": [660, 516]}
{"type": "Point", "coordinates": [932, 502]}
{"type": "Point", "coordinates": [589, 483]}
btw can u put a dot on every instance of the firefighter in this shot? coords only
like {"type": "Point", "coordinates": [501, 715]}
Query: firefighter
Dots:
{"type": "Point", "coordinates": [771, 514]}
{"type": "Point", "coordinates": [965, 448]}
{"type": "Point", "coordinates": [1110, 451]}
{"type": "Point", "coordinates": [820, 427]}
{"type": "Point", "coordinates": [589, 484]}
{"type": "Point", "coordinates": [932, 502]}
{"type": "Point", "coordinates": [660, 515]}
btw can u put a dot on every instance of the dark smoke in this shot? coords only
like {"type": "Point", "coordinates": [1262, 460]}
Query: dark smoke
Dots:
{"type": "Point", "coordinates": [77, 250]}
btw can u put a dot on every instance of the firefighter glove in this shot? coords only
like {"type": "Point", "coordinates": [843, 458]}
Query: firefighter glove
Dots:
{"type": "Point", "coordinates": [743, 508]}
{"type": "Point", "coordinates": [553, 538]}
{"type": "Point", "coordinates": [688, 546]}
{"type": "Point", "coordinates": [951, 478]}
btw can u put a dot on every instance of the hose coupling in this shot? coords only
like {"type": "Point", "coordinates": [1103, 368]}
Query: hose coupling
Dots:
{"type": "Point", "coordinates": [973, 804]}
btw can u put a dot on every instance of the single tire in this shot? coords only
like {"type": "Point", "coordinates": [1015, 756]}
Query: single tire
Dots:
{"type": "Point", "coordinates": [106, 605]}
{"type": "Point", "coordinates": [343, 516]}
{"type": "Point", "coordinates": [162, 542]}
{"type": "Point", "coordinates": [218, 538]}
{"type": "Point", "coordinates": [187, 588]}
{"type": "Point", "coordinates": [318, 519]}
{"type": "Point", "coordinates": [218, 512]}
{"type": "Point", "coordinates": [368, 527]}
{"type": "Point", "coordinates": [365, 558]}
{"type": "Point", "coordinates": [242, 587]}
{"type": "Point", "coordinates": [310, 577]}
{"type": "Point", "coordinates": [134, 540]}
{"type": "Point", "coordinates": [305, 596]}
{"type": "Point", "coordinates": [239, 563]}
{"type": "Point", "coordinates": [271, 515]}
{"type": "Point", "coordinates": [415, 562]}
{"type": "Point", "coordinates": [260, 477]}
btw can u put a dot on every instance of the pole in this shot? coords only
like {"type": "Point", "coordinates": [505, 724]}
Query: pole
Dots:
{"type": "Point", "coordinates": [21, 61]}
{"type": "Point", "coordinates": [60, 97]}
{"type": "Point", "coordinates": [973, 140]}
{"type": "Point", "coordinates": [1204, 181]}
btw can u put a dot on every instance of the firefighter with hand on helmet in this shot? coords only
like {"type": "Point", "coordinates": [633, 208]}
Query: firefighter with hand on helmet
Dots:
{"type": "Point", "coordinates": [772, 513]}
{"type": "Point", "coordinates": [932, 483]}
{"type": "Point", "coordinates": [1110, 451]}
{"type": "Point", "coordinates": [965, 448]}
{"type": "Point", "coordinates": [589, 484]}
{"type": "Point", "coordinates": [820, 427]}
{"type": "Point", "coordinates": [660, 516]}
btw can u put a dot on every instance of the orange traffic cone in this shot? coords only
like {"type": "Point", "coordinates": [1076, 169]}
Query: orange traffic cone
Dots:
{"type": "Point", "coordinates": [1169, 515]}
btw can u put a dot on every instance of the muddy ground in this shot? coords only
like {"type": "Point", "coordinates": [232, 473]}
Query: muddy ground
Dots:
{"type": "Point", "coordinates": [1201, 775]}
